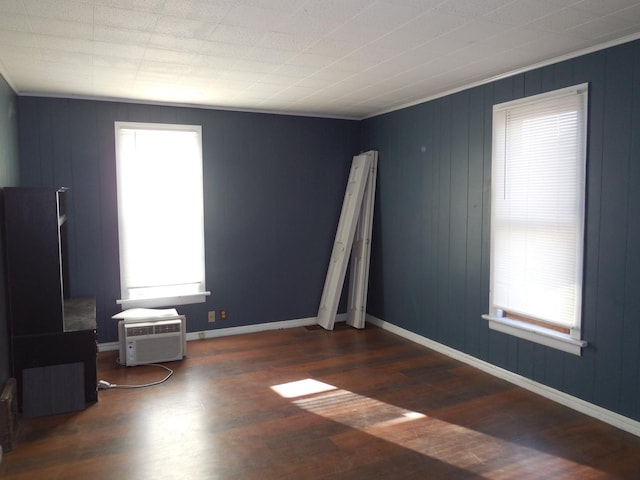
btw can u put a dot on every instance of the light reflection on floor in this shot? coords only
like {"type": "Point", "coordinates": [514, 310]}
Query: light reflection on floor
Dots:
{"type": "Point", "coordinates": [463, 448]}
{"type": "Point", "coordinates": [180, 440]}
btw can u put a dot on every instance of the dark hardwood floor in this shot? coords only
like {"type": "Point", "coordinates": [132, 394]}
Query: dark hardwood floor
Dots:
{"type": "Point", "coordinates": [306, 404]}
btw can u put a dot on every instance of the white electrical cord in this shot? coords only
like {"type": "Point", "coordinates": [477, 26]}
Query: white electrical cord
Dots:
{"type": "Point", "coordinates": [104, 385]}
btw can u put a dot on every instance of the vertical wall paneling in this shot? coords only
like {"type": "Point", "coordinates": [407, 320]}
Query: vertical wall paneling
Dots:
{"type": "Point", "coordinates": [429, 307]}
{"type": "Point", "coordinates": [563, 74]}
{"type": "Point", "coordinates": [445, 322]}
{"type": "Point", "coordinates": [613, 228]}
{"type": "Point", "coordinates": [401, 220]}
{"type": "Point", "coordinates": [454, 267]}
{"type": "Point", "coordinates": [60, 144]}
{"type": "Point", "coordinates": [474, 302]}
{"type": "Point", "coordinates": [486, 216]}
{"type": "Point", "coordinates": [375, 300]}
{"type": "Point", "coordinates": [631, 313]}
{"type": "Point", "coordinates": [415, 141]}
{"type": "Point", "coordinates": [85, 198]}
{"type": "Point", "coordinates": [459, 194]}
{"type": "Point", "coordinates": [532, 82]}
{"type": "Point", "coordinates": [273, 189]}
{"type": "Point", "coordinates": [415, 286]}
{"type": "Point", "coordinates": [107, 216]}
{"type": "Point", "coordinates": [29, 150]}
{"type": "Point", "coordinates": [45, 126]}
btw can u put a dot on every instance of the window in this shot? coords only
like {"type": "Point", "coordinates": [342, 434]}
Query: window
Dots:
{"type": "Point", "coordinates": [537, 217]}
{"type": "Point", "coordinates": [160, 214]}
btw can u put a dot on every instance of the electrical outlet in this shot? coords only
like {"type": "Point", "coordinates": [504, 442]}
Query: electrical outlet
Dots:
{"type": "Point", "coordinates": [223, 314]}
{"type": "Point", "coordinates": [212, 316]}
{"type": "Point", "coordinates": [201, 335]}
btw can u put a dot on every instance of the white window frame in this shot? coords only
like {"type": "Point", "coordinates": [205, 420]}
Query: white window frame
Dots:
{"type": "Point", "coordinates": [163, 217]}
{"type": "Point", "coordinates": [524, 300]}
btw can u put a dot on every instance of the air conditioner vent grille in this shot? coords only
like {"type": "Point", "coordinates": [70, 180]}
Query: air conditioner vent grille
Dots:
{"type": "Point", "coordinates": [153, 329]}
{"type": "Point", "coordinates": [167, 328]}
{"type": "Point", "coordinates": [138, 331]}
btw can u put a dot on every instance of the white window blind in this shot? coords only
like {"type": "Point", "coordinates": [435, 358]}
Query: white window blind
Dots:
{"type": "Point", "coordinates": [537, 221]}
{"type": "Point", "coordinates": [160, 214]}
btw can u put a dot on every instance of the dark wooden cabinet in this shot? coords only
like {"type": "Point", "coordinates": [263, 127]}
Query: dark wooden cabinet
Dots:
{"type": "Point", "coordinates": [48, 328]}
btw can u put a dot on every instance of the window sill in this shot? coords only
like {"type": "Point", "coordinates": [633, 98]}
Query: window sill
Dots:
{"type": "Point", "coordinates": [163, 301]}
{"type": "Point", "coordinates": [534, 333]}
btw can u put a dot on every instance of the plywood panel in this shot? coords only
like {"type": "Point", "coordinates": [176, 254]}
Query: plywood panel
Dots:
{"type": "Point", "coordinates": [630, 390]}
{"type": "Point", "coordinates": [458, 200]}
{"type": "Point", "coordinates": [430, 209]}
{"type": "Point", "coordinates": [613, 226]}
{"type": "Point", "coordinates": [475, 302]}
{"type": "Point", "coordinates": [86, 237]}
{"type": "Point", "coordinates": [444, 220]}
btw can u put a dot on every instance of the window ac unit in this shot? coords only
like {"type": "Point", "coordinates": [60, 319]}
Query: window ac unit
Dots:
{"type": "Point", "coordinates": [152, 341]}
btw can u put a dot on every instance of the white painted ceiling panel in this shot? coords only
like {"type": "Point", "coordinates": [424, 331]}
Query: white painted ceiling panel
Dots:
{"type": "Point", "coordinates": [18, 22]}
{"type": "Point", "coordinates": [68, 10]}
{"type": "Point", "coordinates": [344, 58]}
{"type": "Point", "coordinates": [608, 7]}
{"type": "Point", "coordinates": [470, 8]}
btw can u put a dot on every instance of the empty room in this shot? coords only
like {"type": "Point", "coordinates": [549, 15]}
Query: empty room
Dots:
{"type": "Point", "coordinates": [343, 239]}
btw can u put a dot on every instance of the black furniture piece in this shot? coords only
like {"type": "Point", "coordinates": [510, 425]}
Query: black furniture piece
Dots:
{"type": "Point", "coordinates": [53, 336]}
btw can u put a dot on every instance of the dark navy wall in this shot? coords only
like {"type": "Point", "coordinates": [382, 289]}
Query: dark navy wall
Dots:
{"type": "Point", "coordinates": [8, 178]}
{"type": "Point", "coordinates": [430, 270]}
{"type": "Point", "coordinates": [274, 186]}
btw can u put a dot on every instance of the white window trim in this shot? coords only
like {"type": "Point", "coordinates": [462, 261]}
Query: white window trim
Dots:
{"type": "Point", "coordinates": [536, 334]}
{"type": "Point", "coordinates": [152, 302]}
{"type": "Point", "coordinates": [162, 300]}
{"type": "Point", "coordinates": [571, 343]}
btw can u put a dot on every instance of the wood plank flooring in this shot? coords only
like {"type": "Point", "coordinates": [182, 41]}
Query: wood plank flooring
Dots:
{"type": "Point", "coordinates": [310, 404]}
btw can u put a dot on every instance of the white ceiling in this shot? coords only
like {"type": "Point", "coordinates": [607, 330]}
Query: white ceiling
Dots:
{"type": "Point", "coordinates": [341, 58]}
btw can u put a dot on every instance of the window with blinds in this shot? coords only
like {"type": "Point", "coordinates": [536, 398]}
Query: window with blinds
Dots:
{"type": "Point", "coordinates": [537, 217]}
{"type": "Point", "coordinates": [160, 214]}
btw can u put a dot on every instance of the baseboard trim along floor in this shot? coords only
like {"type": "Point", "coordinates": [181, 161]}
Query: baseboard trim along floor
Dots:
{"type": "Point", "coordinates": [582, 406]}
{"type": "Point", "coordinates": [619, 421]}
{"type": "Point", "coordinates": [225, 332]}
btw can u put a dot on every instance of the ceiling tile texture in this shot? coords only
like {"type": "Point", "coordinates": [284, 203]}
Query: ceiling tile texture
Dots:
{"type": "Point", "coordinates": [337, 58]}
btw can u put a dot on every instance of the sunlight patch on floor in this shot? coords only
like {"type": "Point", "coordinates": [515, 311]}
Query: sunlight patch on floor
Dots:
{"type": "Point", "coordinates": [300, 388]}
{"type": "Point", "coordinates": [464, 448]}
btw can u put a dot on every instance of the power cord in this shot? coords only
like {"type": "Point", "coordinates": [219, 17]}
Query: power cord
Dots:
{"type": "Point", "coordinates": [104, 385]}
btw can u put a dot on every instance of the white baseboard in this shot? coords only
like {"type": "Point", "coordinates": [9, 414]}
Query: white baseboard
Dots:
{"type": "Point", "coordinates": [108, 346]}
{"type": "Point", "coordinates": [619, 421]}
{"type": "Point", "coordinates": [225, 332]}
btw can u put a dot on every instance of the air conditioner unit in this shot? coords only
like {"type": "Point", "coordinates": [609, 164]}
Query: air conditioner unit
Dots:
{"type": "Point", "coordinates": [152, 341]}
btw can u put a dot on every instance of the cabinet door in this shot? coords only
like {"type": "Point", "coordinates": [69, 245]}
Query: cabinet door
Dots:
{"type": "Point", "coordinates": [37, 351]}
{"type": "Point", "coordinates": [34, 268]}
